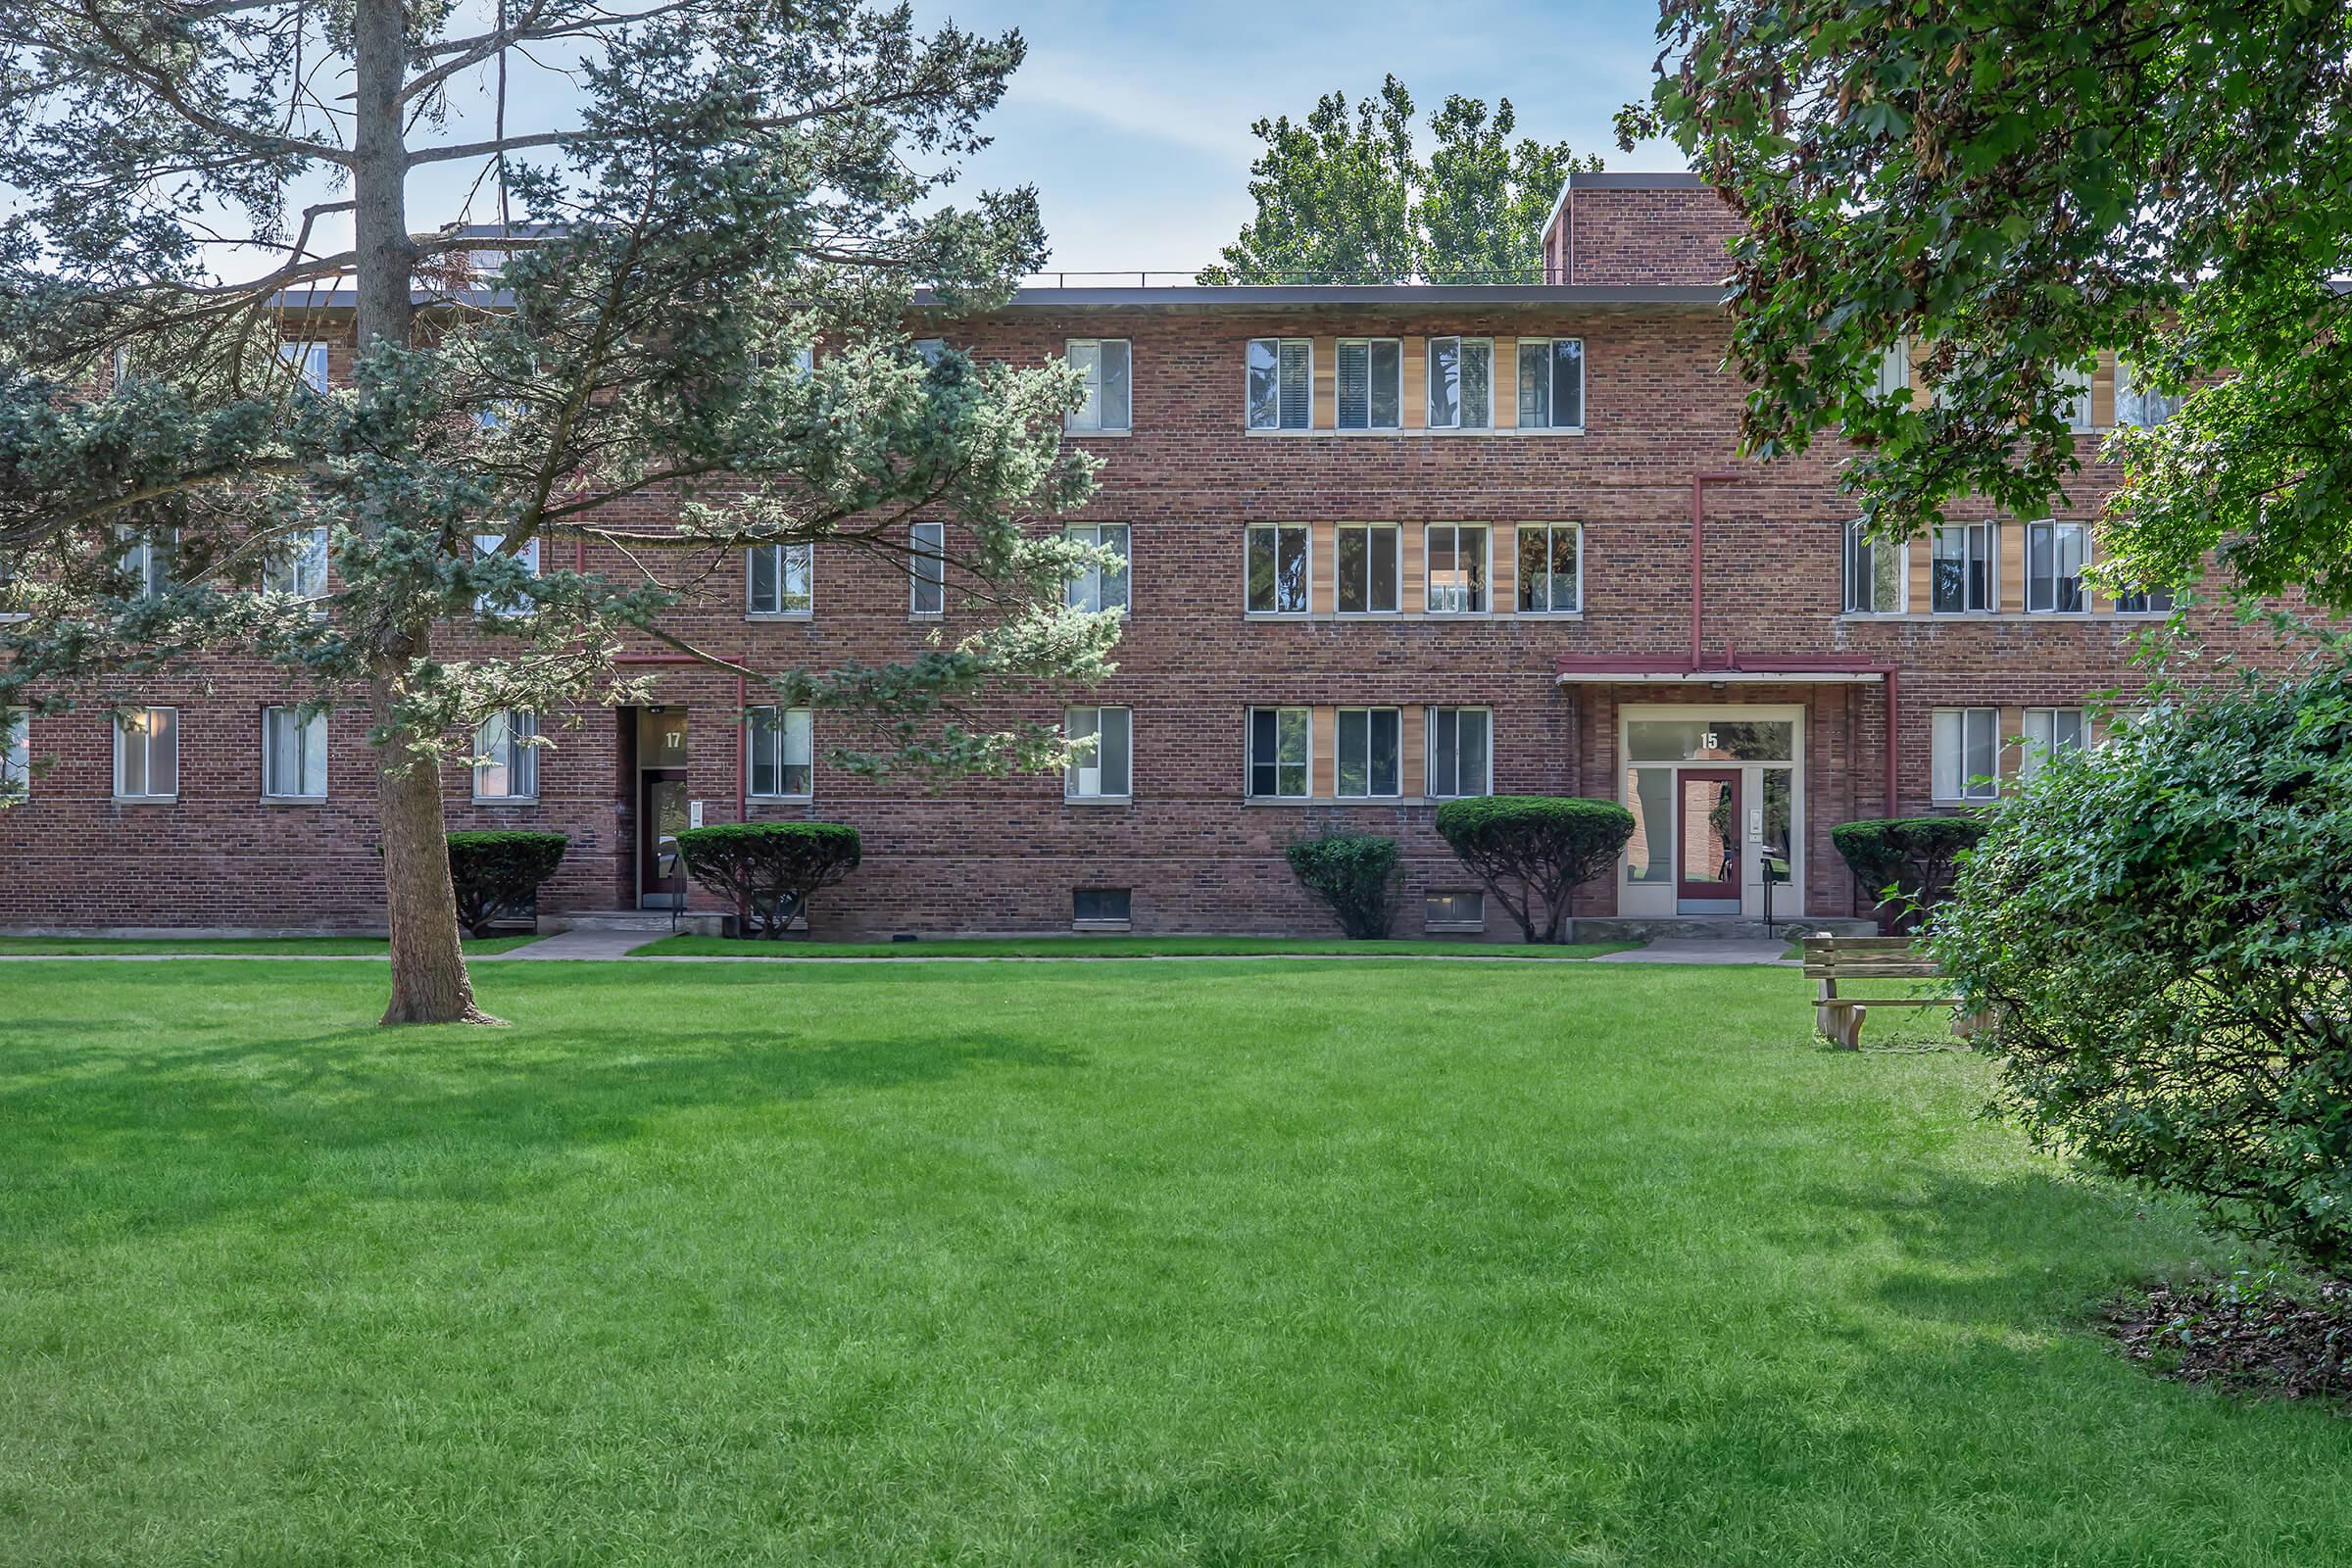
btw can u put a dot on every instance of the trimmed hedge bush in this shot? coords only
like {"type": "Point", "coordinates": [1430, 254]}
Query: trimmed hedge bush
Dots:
{"type": "Point", "coordinates": [1356, 874]}
{"type": "Point", "coordinates": [497, 873]}
{"type": "Point", "coordinates": [2160, 928]}
{"type": "Point", "coordinates": [771, 869]}
{"type": "Point", "coordinates": [1532, 850]}
{"type": "Point", "coordinates": [1905, 863]}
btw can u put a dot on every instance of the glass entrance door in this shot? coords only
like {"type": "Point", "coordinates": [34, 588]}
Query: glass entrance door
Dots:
{"type": "Point", "coordinates": [663, 816]}
{"type": "Point", "coordinates": [1706, 834]}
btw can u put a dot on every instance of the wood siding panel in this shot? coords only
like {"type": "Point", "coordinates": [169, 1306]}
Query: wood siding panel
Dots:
{"type": "Point", "coordinates": [2013, 724]}
{"type": "Point", "coordinates": [1322, 568]}
{"type": "Point", "coordinates": [1415, 409]}
{"type": "Point", "coordinates": [2102, 392]}
{"type": "Point", "coordinates": [1323, 749]}
{"type": "Point", "coordinates": [1505, 544]}
{"type": "Point", "coordinates": [1326, 415]}
{"type": "Point", "coordinates": [2009, 549]}
{"type": "Point", "coordinates": [1922, 575]}
{"type": "Point", "coordinates": [1412, 746]}
{"type": "Point", "coordinates": [1506, 384]}
{"type": "Point", "coordinates": [1412, 571]}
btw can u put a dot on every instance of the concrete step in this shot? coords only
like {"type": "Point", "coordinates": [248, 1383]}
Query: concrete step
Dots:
{"type": "Point", "coordinates": [698, 922]}
{"type": "Point", "coordinates": [1717, 928]}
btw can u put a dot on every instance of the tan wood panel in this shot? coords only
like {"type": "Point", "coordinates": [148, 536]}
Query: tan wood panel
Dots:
{"type": "Point", "coordinates": [1411, 570]}
{"type": "Point", "coordinates": [1506, 383]}
{"type": "Point", "coordinates": [1327, 375]}
{"type": "Point", "coordinates": [1412, 747]}
{"type": "Point", "coordinates": [1416, 410]}
{"type": "Point", "coordinates": [1923, 576]}
{"type": "Point", "coordinates": [2013, 724]}
{"type": "Point", "coordinates": [2102, 392]}
{"type": "Point", "coordinates": [1323, 749]}
{"type": "Point", "coordinates": [1919, 381]}
{"type": "Point", "coordinates": [2009, 559]}
{"type": "Point", "coordinates": [1322, 568]}
{"type": "Point", "coordinates": [1505, 600]}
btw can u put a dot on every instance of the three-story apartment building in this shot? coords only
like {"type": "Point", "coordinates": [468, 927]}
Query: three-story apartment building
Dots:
{"type": "Point", "coordinates": [1386, 546]}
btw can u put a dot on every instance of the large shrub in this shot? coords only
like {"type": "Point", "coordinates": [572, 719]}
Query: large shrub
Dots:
{"type": "Point", "coordinates": [1914, 856]}
{"type": "Point", "coordinates": [1356, 874]}
{"type": "Point", "coordinates": [2161, 932]}
{"type": "Point", "coordinates": [1532, 850]}
{"type": "Point", "coordinates": [497, 873]}
{"type": "Point", "coordinates": [769, 869]}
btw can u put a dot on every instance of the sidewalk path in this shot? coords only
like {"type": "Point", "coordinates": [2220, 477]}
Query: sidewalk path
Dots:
{"type": "Point", "coordinates": [1709, 950]}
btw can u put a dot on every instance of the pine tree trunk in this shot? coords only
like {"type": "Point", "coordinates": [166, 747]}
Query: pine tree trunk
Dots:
{"type": "Point", "coordinates": [429, 984]}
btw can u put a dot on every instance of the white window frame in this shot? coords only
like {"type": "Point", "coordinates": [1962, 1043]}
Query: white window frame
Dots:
{"type": "Point", "coordinates": [1894, 370]}
{"type": "Point", "coordinates": [1989, 534]}
{"type": "Point", "coordinates": [1090, 356]}
{"type": "Point", "coordinates": [2149, 605]}
{"type": "Point", "coordinates": [1438, 715]}
{"type": "Point", "coordinates": [2056, 527]}
{"type": "Point", "coordinates": [1429, 575]}
{"type": "Point", "coordinates": [803, 554]}
{"type": "Point", "coordinates": [2076, 411]}
{"type": "Point", "coordinates": [1305, 766]}
{"type": "Point", "coordinates": [1339, 759]}
{"type": "Point", "coordinates": [784, 731]}
{"type": "Point", "coordinates": [1857, 542]}
{"type": "Point", "coordinates": [2041, 739]}
{"type": "Point", "coordinates": [1551, 388]}
{"type": "Point", "coordinates": [513, 750]}
{"type": "Point", "coordinates": [926, 569]}
{"type": "Point", "coordinates": [1339, 560]}
{"type": "Point", "coordinates": [15, 754]}
{"type": "Point", "coordinates": [1461, 420]}
{"type": "Point", "coordinates": [310, 747]}
{"type": "Point", "coordinates": [486, 602]}
{"type": "Point", "coordinates": [123, 741]}
{"type": "Point", "coordinates": [1085, 779]}
{"type": "Point", "coordinates": [1370, 348]}
{"type": "Point", "coordinates": [1519, 573]}
{"type": "Point", "coordinates": [1430, 920]}
{"type": "Point", "coordinates": [148, 558]}
{"type": "Point", "coordinates": [1093, 588]}
{"type": "Point", "coordinates": [300, 571]}
{"type": "Point", "coordinates": [1306, 584]}
{"type": "Point", "coordinates": [1950, 740]}
{"type": "Point", "coordinates": [2130, 395]}
{"type": "Point", "coordinates": [1282, 409]}
{"type": "Point", "coordinates": [306, 360]}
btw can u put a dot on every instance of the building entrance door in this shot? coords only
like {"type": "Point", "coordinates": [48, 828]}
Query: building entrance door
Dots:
{"type": "Point", "coordinates": [662, 808]}
{"type": "Point", "coordinates": [1706, 839]}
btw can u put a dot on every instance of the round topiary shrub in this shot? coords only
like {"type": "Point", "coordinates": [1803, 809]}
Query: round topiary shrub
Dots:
{"type": "Point", "coordinates": [1905, 863]}
{"type": "Point", "coordinates": [1532, 850]}
{"type": "Point", "coordinates": [2160, 929]}
{"type": "Point", "coordinates": [1356, 874]}
{"type": "Point", "coordinates": [496, 873]}
{"type": "Point", "coordinates": [769, 869]}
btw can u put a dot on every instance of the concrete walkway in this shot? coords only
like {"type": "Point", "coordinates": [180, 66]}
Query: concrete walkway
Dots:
{"type": "Point", "coordinates": [581, 944]}
{"type": "Point", "coordinates": [1707, 951]}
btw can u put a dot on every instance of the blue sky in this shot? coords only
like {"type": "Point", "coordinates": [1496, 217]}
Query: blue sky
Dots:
{"type": "Point", "coordinates": [1133, 120]}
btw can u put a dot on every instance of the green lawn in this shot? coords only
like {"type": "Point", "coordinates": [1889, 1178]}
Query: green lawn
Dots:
{"type": "Point", "coordinates": [299, 947]}
{"type": "Point", "coordinates": [1075, 1265]}
{"type": "Point", "coordinates": [1076, 947]}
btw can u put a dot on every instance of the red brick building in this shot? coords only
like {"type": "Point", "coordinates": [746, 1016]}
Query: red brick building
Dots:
{"type": "Point", "coordinates": [1386, 544]}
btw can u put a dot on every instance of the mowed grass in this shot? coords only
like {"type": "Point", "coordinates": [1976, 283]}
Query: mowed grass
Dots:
{"type": "Point", "coordinates": [1071, 1264]}
{"type": "Point", "coordinates": [228, 947]}
{"type": "Point", "coordinates": [1078, 947]}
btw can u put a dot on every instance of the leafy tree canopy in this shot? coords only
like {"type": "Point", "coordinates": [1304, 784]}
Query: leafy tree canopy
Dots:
{"type": "Point", "coordinates": [1350, 199]}
{"type": "Point", "coordinates": [2016, 187]}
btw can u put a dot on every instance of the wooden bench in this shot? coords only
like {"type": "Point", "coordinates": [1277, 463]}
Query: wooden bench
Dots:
{"type": "Point", "coordinates": [1851, 959]}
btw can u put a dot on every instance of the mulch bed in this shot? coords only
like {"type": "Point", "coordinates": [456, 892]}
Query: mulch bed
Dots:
{"type": "Point", "coordinates": [2246, 1341]}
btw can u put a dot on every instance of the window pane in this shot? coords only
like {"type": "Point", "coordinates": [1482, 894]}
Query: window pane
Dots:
{"type": "Point", "coordinates": [1087, 359]}
{"type": "Point", "coordinates": [1387, 767]}
{"type": "Point", "coordinates": [1445, 382]}
{"type": "Point", "coordinates": [1354, 569]}
{"type": "Point", "coordinates": [1265, 403]}
{"type": "Point", "coordinates": [1260, 589]}
{"type": "Point", "coordinates": [1535, 384]}
{"type": "Point", "coordinates": [1445, 756]}
{"type": "Point", "coordinates": [1567, 571]}
{"type": "Point", "coordinates": [764, 588]}
{"type": "Point", "coordinates": [927, 570]}
{"type": "Point", "coordinates": [1083, 728]}
{"type": "Point", "coordinates": [1263, 724]}
{"type": "Point", "coordinates": [1387, 383]}
{"type": "Point", "coordinates": [1298, 357]}
{"type": "Point", "coordinates": [1980, 751]}
{"type": "Point", "coordinates": [1294, 746]}
{"type": "Point", "coordinates": [1354, 743]}
{"type": "Point", "coordinates": [2069, 548]}
{"type": "Point", "coordinates": [1290, 571]}
{"type": "Point", "coordinates": [1112, 593]}
{"type": "Point", "coordinates": [1535, 589]}
{"type": "Point", "coordinates": [1944, 754]}
{"type": "Point", "coordinates": [1567, 382]}
{"type": "Point", "coordinates": [1116, 722]}
{"type": "Point", "coordinates": [1650, 853]}
{"type": "Point", "coordinates": [1470, 559]}
{"type": "Point", "coordinates": [2041, 588]}
{"type": "Point", "coordinates": [1385, 545]}
{"type": "Point", "coordinates": [1478, 376]}
{"type": "Point", "coordinates": [1117, 355]}
{"type": "Point", "coordinates": [1356, 385]}
{"type": "Point", "coordinates": [1470, 731]}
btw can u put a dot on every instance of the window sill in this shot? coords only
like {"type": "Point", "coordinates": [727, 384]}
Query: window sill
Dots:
{"type": "Point", "coordinates": [780, 800]}
{"type": "Point", "coordinates": [1337, 800]}
{"type": "Point", "coordinates": [1962, 617]}
{"type": "Point", "coordinates": [925, 618]}
{"type": "Point", "coordinates": [146, 800]}
{"type": "Point", "coordinates": [1506, 431]}
{"type": "Point", "coordinates": [780, 615]}
{"type": "Point", "coordinates": [1091, 435]}
{"type": "Point", "coordinates": [1455, 928]}
{"type": "Point", "coordinates": [293, 800]}
{"type": "Point", "coordinates": [1102, 925]}
{"type": "Point", "coordinates": [1406, 616]}
{"type": "Point", "coordinates": [506, 800]}
{"type": "Point", "coordinates": [1098, 800]}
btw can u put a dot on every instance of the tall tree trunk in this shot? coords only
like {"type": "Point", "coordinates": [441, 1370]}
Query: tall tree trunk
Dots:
{"type": "Point", "coordinates": [429, 982]}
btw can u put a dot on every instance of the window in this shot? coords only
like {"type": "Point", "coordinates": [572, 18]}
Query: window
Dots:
{"type": "Point", "coordinates": [1964, 564]}
{"type": "Point", "coordinates": [1371, 753]}
{"type": "Point", "coordinates": [1894, 370]}
{"type": "Point", "coordinates": [1371, 385]}
{"type": "Point", "coordinates": [1458, 568]}
{"type": "Point", "coordinates": [1551, 568]}
{"type": "Point", "coordinates": [506, 762]}
{"type": "Point", "coordinates": [2137, 404]}
{"type": "Point", "coordinates": [300, 565]}
{"type": "Point", "coordinates": [293, 754]}
{"type": "Point", "coordinates": [1100, 587]}
{"type": "Point", "coordinates": [146, 560]}
{"type": "Point", "coordinates": [1368, 555]}
{"type": "Point", "coordinates": [1454, 912]}
{"type": "Point", "coordinates": [1962, 760]}
{"type": "Point", "coordinates": [1099, 905]}
{"type": "Point", "coordinates": [489, 600]}
{"type": "Point", "coordinates": [928, 569]}
{"type": "Point", "coordinates": [1277, 569]}
{"type": "Point", "coordinates": [15, 754]}
{"type": "Point", "coordinates": [1281, 380]}
{"type": "Point", "coordinates": [2145, 602]}
{"type": "Point", "coordinates": [1099, 764]}
{"type": "Point", "coordinates": [1278, 753]}
{"type": "Point", "coordinates": [2055, 552]}
{"type": "Point", "coordinates": [1461, 761]}
{"type": "Point", "coordinates": [2048, 730]}
{"type": "Point", "coordinates": [931, 350]}
{"type": "Point", "coordinates": [776, 579]}
{"type": "Point", "coordinates": [783, 753]}
{"type": "Point", "coordinates": [147, 754]}
{"type": "Point", "coordinates": [1461, 383]}
{"type": "Point", "coordinates": [122, 364]}
{"type": "Point", "coordinates": [2074, 382]}
{"type": "Point", "coordinates": [1551, 383]}
{"type": "Point", "coordinates": [308, 361]}
{"type": "Point", "coordinates": [1105, 362]}
{"type": "Point", "coordinates": [1875, 573]}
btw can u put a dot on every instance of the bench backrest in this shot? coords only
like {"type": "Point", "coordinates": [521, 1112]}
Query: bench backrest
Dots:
{"type": "Point", "coordinates": [1829, 958]}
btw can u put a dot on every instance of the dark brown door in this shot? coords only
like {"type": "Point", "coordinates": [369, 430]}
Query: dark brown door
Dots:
{"type": "Point", "coordinates": [1707, 838]}
{"type": "Point", "coordinates": [661, 814]}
